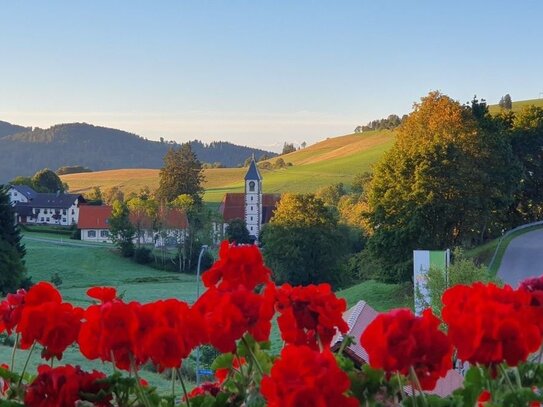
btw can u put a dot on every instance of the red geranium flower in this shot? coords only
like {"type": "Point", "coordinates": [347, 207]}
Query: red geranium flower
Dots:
{"type": "Point", "coordinates": [109, 332]}
{"type": "Point", "coordinates": [305, 377]}
{"type": "Point", "coordinates": [63, 386]}
{"type": "Point", "coordinates": [211, 388]}
{"type": "Point", "coordinates": [103, 294]}
{"type": "Point", "coordinates": [398, 340]}
{"type": "Point", "coordinates": [310, 314]}
{"type": "Point", "coordinates": [237, 265]}
{"type": "Point", "coordinates": [10, 311]}
{"type": "Point", "coordinates": [47, 320]}
{"type": "Point", "coordinates": [229, 314]}
{"type": "Point", "coordinates": [489, 324]}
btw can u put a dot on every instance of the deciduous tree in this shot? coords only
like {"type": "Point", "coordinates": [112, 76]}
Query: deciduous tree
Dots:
{"type": "Point", "coordinates": [121, 229]}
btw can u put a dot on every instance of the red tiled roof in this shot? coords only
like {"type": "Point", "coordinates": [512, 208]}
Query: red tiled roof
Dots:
{"type": "Point", "coordinates": [94, 217]}
{"type": "Point", "coordinates": [174, 218]}
{"type": "Point", "coordinates": [358, 318]}
{"type": "Point", "coordinates": [233, 206]}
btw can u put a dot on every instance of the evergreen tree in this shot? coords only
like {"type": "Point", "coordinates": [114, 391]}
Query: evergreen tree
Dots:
{"type": "Point", "coordinates": [507, 102]}
{"type": "Point", "coordinates": [121, 230]}
{"type": "Point", "coordinates": [181, 174]}
{"type": "Point", "coordinates": [12, 251]}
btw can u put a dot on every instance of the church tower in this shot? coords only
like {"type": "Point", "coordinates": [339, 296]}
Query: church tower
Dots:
{"type": "Point", "coordinates": [253, 200]}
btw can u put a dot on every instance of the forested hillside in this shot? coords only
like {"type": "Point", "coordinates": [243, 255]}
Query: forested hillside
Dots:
{"type": "Point", "coordinates": [25, 151]}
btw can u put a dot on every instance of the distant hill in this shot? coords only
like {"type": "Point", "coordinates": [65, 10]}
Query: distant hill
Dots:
{"type": "Point", "coordinates": [99, 148]}
{"type": "Point", "coordinates": [517, 105]}
{"type": "Point", "coordinates": [7, 129]}
{"type": "Point", "coordinates": [336, 159]}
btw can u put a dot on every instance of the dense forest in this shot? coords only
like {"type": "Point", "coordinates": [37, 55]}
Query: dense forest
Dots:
{"type": "Point", "coordinates": [25, 151]}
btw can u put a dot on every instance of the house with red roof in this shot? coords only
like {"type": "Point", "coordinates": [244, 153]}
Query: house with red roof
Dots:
{"type": "Point", "coordinates": [358, 318]}
{"type": "Point", "coordinates": [94, 223]}
{"type": "Point", "coordinates": [170, 228]}
{"type": "Point", "coordinates": [253, 206]}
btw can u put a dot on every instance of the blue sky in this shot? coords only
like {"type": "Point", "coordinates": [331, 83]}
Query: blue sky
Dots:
{"type": "Point", "coordinates": [258, 72]}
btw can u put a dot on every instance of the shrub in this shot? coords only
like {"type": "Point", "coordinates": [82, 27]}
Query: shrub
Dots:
{"type": "Point", "coordinates": [142, 255]}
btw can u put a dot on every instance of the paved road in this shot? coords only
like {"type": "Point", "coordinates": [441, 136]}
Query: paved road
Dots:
{"type": "Point", "coordinates": [523, 258]}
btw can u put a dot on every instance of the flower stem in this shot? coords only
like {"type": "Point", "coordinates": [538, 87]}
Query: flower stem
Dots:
{"type": "Point", "coordinates": [257, 364]}
{"type": "Point", "coordinates": [507, 378]}
{"type": "Point", "coordinates": [187, 400]}
{"type": "Point", "coordinates": [12, 365]}
{"type": "Point", "coordinates": [139, 386]}
{"type": "Point", "coordinates": [26, 364]}
{"type": "Point", "coordinates": [173, 383]}
{"type": "Point", "coordinates": [415, 379]}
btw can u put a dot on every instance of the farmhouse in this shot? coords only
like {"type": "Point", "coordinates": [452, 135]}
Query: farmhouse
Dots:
{"type": "Point", "coordinates": [171, 228]}
{"type": "Point", "coordinates": [253, 206]}
{"type": "Point", "coordinates": [44, 208]}
{"type": "Point", "coordinates": [358, 318]}
{"type": "Point", "coordinates": [94, 223]}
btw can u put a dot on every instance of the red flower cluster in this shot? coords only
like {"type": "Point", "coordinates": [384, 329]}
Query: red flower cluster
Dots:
{"type": "Point", "coordinates": [534, 286]}
{"type": "Point", "coordinates": [305, 377]}
{"type": "Point", "coordinates": [163, 331]}
{"type": "Point", "coordinates": [398, 340]}
{"type": "Point", "coordinates": [310, 314]}
{"type": "Point", "coordinates": [211, 388]}
{"type": "Point", "coordinates": [489, 324]}
{"type": "Point", "coordinates": [49, 321]}
{"type": "Point", "coordinates": [10, 311]}
{"type": "Point", "coordinates": [63, 386]}
{"type": "Point", "coordinates": [237, 266]}
{"type": "Point", "coordinates": [227, 315]}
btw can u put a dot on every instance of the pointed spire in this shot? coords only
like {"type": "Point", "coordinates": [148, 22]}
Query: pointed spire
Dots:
{"type": "Point", "coordinates": [252, 172]}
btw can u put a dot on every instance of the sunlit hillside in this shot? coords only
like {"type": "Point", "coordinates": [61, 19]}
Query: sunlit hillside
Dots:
{"type": "Point", "coordinates": [336, 159]}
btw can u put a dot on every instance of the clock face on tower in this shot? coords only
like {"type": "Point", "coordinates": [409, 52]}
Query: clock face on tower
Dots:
{"type": "Point", "coordinates": [252, 186]}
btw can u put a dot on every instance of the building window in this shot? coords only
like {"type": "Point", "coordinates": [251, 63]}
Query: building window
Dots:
{"type": "Point", "coordinates": [251, 207]}
{"type": "Point", "coordinates": [252, 186]}
{"type": "Point", "coordinates": [64, 211]}
{"type": "Point", "coordinates": [45, 211]}
{"type": "Point", "coordinates": [41, 219]}
{"type": "Point", "coordinates": [104, 233]}
{"type": "Point", "coordinates": [73, 212]}
{"type": "Point", "coordinates": [91, 233]}
{"type": "Point", "coordinates": [64, 220]}
{"type": "Point", "coordinates": [252, 197]}
{"type": "Point", "coordinates": [48, 219]}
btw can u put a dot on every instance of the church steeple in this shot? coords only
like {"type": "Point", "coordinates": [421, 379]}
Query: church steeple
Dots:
{"type": "Point", "coordinates": [253, 199]}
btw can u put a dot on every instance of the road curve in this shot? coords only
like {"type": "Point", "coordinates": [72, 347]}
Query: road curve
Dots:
{"type": "Point", "coordinates": [523, 258]}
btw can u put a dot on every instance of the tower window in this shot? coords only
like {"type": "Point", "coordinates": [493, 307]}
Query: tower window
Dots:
{"type": "Point", "coordinates": [252, 197]}
{"type": "Point", "coordinates": [252, 186]}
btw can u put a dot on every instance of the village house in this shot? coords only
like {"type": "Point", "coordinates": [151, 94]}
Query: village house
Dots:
{"type": "Point", "coordinates": [253, 206]}
{"type": "Point", "coordinates": [33, 207]}
{"type": "Point", "coordinates": [169, 231]}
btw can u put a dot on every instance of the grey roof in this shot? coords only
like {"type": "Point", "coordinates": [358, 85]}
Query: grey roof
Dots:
{"type": "Point", "coordinates": [62, 201]}
{"type": "Point", "coordinates": [23, 209]}
{"type": "Point", "coordinates": [252, 172]}
{"type": "Point", "coordinates": [25, 190]}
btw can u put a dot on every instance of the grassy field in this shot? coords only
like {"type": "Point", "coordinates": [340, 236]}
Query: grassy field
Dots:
{"type": "Point", "coordinates": [333, 160]}
{"type": "Point", "coordinates": [517, 105]}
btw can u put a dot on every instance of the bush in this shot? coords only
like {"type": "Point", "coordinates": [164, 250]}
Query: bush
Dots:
{"type": "Point", "coordinates": [142, 255]}
{"type": "Point", "coordinates": [56, 279]}
{"type": "Point", "coordinates": [127, 249]}
{"type": "Point", "coordinates": [76, 234]}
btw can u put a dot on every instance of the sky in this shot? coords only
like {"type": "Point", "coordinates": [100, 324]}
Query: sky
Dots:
{"type": "Point", "coordinates": [258, 72]}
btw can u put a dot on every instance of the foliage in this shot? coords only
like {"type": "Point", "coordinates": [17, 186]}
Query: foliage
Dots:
{"type": "Point", "coordinates": [391, 122]}
{"type": "Point", "coordinates": [47, 181]}
{"type": "Point", "coordinates": [303, 243]}
{"type": "Point", "coordinates": [462, 271]}
{"type": "Point", "coordinates": [12, 250]}
{"type": "Point", "coordinates": [142, 255]}
{"type": "Point", "coordinates": [331, 194]}
{"type": "Point", "coordinates": [506, 102]}
{"type": "Point", "coordinates": [181, 174]}
{"type": "Point", "coordinates": [72, 169]}
{"type": "Point", "coordinates": [288, 148]}
{"type": "Point", "coordinates": [448, 181]}
{"type": "Point", "coordinates": [113, 194]}
{"type": "Point", "coordinates": [236, 231]}
{"type": "Point", "coordinates": [121, 229]}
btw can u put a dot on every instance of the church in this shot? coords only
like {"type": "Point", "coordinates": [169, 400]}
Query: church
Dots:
{"type": "Point", "coordinates": [255, 207]}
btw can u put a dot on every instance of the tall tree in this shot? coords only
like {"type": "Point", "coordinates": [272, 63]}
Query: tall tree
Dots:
{"type": "Point", "coordinates": [445, 182]}
{"type": "Point", "coordinates": [12, 251]}
{"type": "Point", "coordinates": [182, 174]}
{"type": "Point", "coordinates": [303, 243]}
{"type": "Point", "coordinates": [288, 148]}
{"type": "Point", "coordinates": [121, 230]}
{"type": "Point", "coordinates": [507, 102]}
{"type": "Point", "coordinates": [47, 180]}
